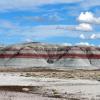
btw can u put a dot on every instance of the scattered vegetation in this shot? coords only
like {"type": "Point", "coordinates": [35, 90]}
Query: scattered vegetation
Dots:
{"type": "Point", "coordinates": [76, 74]}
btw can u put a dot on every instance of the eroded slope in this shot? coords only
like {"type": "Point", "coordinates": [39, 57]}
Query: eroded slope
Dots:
{"type": "Point", "coordinates": [46, 55]}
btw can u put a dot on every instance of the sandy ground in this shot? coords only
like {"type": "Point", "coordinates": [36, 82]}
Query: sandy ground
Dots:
{"type": "Point", "coordinates": [8, 95]}
{"type": "Point", "coordinates": [49, 85]}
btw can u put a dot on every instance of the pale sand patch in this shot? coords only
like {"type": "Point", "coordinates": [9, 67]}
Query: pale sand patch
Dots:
{"type": "Point", "coordinates": [53, 88]}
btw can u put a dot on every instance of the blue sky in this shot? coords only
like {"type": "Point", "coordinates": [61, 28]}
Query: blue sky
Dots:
{"type": "Point", "coordinates": [67, 22]}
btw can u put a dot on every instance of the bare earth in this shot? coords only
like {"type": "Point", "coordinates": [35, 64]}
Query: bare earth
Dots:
{"type": "Point", "coordinates": [49, 84]}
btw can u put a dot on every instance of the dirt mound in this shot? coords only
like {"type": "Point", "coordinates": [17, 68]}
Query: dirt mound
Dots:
{"type": "Point", "coordinates": [46, 55]}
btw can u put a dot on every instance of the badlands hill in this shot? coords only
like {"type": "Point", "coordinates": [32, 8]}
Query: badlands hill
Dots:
{"type": "Point", "coordinates": [36, 54]}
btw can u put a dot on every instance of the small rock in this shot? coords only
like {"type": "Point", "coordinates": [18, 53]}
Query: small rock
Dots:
{"type": "Point", "coordinates": [25, 89]}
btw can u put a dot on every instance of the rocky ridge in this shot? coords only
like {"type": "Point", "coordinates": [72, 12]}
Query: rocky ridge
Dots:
{"type": "Point", "coordinates": [36, 54]}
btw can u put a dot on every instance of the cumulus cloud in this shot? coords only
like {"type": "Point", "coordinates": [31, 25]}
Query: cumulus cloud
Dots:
{"type": "Point", "coordinates": [90, 37]}
{"type": "Point", "coordinates": [88, 17]}
{"type": "Point", "coordinates": [84, 27]}
{"type": "Point", "coordinates": [93, 36]}
{"type": "Point", "coordinates": [82, 36]}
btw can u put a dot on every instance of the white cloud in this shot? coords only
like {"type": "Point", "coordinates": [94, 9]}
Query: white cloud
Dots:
{"type": "Point", "coordinates": [66, 44]}
{"type": "Point", "coordinates": [45, 31]}
{"type": "Point", "coordinates": [46, 17]}
{"type": "Point", "coordinates": [29, 4]}
{"type": "Point", "coordinates": [90, 37]}
{"type": "Point", "coordinates": [88, 17]}
{"type": "Point", "coordinates": [84, 27]}
{"type": "Point", "coordinates": [80, 27]}
{"type": "Point", "coordinates": [82, 36]}
{"type": "Point", "coordinates": [36, 33]}
{"type": "Point", "coordinates": [28, 40]}
{"type": "Point", "coordinates": [84, 44]}
{"type": "Point", "coordinates": [93, 36]}
{"type": "Point", "coordinates": [87, 4]}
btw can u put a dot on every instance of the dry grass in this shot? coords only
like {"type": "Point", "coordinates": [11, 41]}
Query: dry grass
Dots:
{"type": "Point", "coordinates": [55, 73]}
{"type": "Point", "coordinates": [77, 74]}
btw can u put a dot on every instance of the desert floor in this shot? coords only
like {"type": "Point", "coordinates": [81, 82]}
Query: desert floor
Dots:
{"type": "Point", "coordinates": [47, 84]}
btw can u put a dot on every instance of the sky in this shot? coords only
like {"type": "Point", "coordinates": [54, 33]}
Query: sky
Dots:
{"type": "Point", "coordinates": [67, 22]}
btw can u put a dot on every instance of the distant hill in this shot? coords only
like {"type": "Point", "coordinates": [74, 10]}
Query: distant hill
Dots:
{"type": "Point", "coordinates": [37, 54]}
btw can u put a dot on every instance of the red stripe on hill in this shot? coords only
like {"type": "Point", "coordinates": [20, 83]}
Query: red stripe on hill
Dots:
{"type": "Point", "coordinates": [52, 56]}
